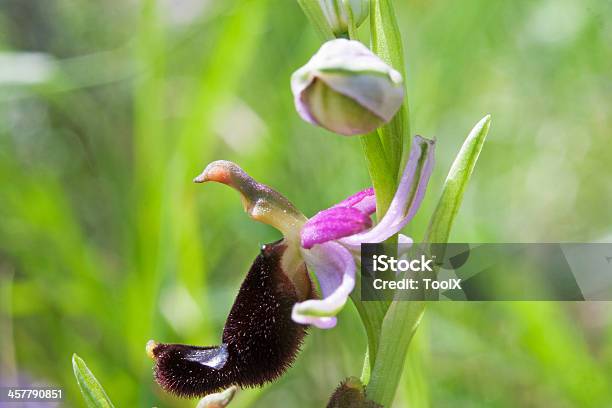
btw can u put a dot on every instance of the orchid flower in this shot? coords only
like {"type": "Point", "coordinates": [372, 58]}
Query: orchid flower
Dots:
{"type": "Point", "coordinates": [330, 241]}
{"type": "Point", "coordinates": [277, 300]}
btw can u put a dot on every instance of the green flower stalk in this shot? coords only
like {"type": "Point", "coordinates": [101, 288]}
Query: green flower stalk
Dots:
{"type": "Point", "coordinates": [321, 101]}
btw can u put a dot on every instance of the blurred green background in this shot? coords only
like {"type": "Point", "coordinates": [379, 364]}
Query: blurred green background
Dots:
{"type": "Point", "coordinates": [108, 109]}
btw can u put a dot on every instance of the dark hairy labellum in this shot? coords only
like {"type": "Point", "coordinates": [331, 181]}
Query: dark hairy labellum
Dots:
{"type": "Point", "coordinates": [260, 341]}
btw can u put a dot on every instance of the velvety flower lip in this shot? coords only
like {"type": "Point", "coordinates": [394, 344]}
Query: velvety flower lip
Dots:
{"type": "Point", "coordinates": [331, 240]}
{"type": "Point", "coordinates": [259, 342]}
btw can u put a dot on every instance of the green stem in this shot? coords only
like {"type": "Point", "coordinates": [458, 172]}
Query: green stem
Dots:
{"type": "Point", "coordinates": [383, 171]}
{"type": "Point", "coordinates": [387, 44]}
{"type": "Point", "coordinates": [383, 151]}
{"type": "Point", "coordinates": [403, 317]}
{"type": "Point", "coordinates": [400, 324]}
{"type": "Point", "coordinates": [383, 176]}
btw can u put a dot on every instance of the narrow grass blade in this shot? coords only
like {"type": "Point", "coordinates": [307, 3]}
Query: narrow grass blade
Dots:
{"type": "Point", "coordinates": [92, 391]}
{"type": "Point", "coordinates": [399, 325]}
{"type": "Point", "coordinates": [456, 183]}
{"type": "Point", "coordinates": [372, 314]}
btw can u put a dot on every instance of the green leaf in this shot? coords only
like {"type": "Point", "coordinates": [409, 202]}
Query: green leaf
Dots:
{"type": "Point", "coordinates": [387, 44]}
{"type": "Point", "coordinates": [317, 18]}
{"type": "Point", "coordinates": [92, 391]}
{"type": "Point", "coordinates": [414, 381]}
{"type": "Point", "coordinates": [403, 317]}
{"type": "Point", "coordinates": [456, 183]}
{"type": "Point", "coordinates": [399, 325]}
{"type": "Point", "coordinates": [372, 314]}
{"type": "Point", "coordinates": [386, 36]}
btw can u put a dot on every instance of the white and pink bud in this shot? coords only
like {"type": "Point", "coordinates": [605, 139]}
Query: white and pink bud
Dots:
{"type": "Point", "coordinates": [347, 89]}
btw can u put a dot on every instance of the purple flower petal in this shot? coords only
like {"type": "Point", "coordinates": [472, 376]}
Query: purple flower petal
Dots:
{"type": "Point", "coordinates": [408, 196]}
{"type": "Point", "coordinates": [333, 223]}
{"type": "Point", "coordinates": [334, 267]}
{"type": "Point", "coordinates": [367, 205]}
{"type": "Point", "coordinates": [365, 201]}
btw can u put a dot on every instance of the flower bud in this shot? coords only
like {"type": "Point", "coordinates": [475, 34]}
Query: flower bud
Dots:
{"type": "Point", "coordinates": [347, 89]}
{"type": "Point", "coordinates": [337, 14]}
